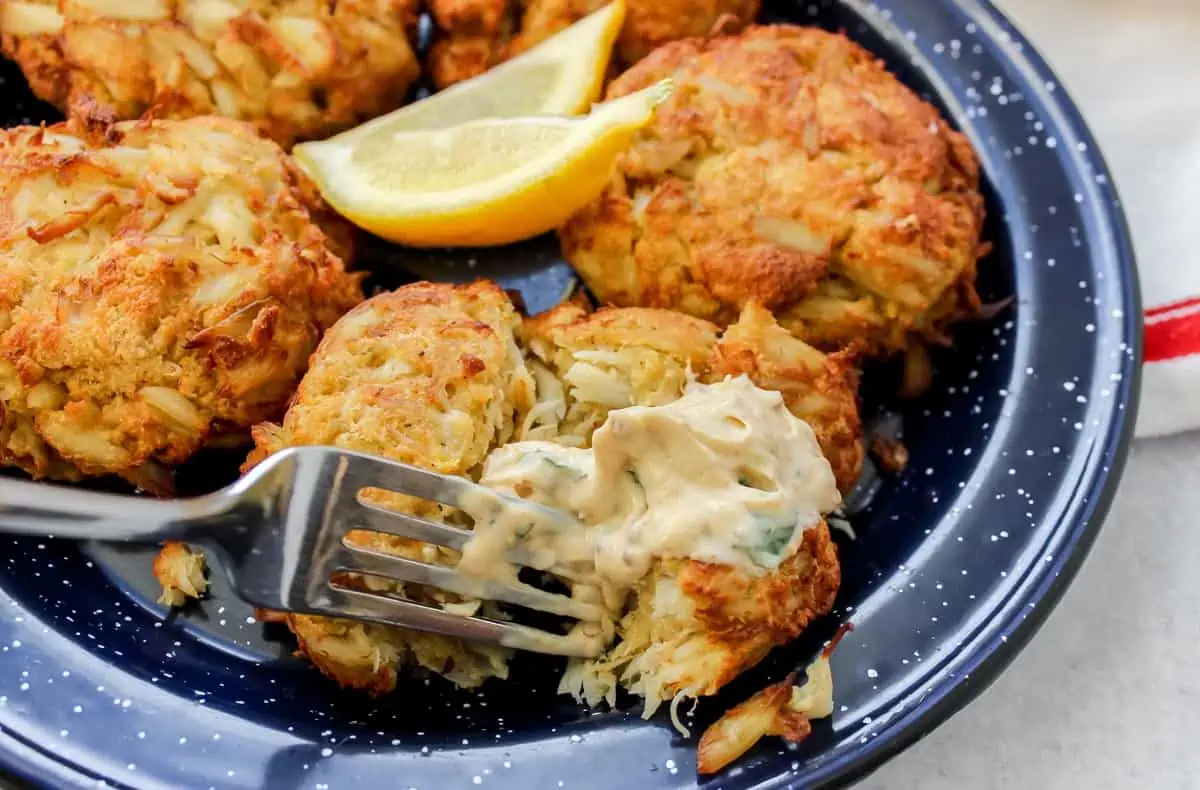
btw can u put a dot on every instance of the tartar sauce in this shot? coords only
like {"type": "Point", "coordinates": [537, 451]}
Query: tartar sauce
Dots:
{"type": "Point", "coordinates": [725, 474]}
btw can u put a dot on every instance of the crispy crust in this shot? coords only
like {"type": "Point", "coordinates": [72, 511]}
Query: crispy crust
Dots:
{"type": "Point", "coordinates": [739, 617]}
{"type": "Point", "coordinates": [299, 70]}
{"type": "Point", "coordinates": [788, 168]}
{"type": "Point", "coordinates": [430, 375]}
{"type": "Point", "coordinates": [475, 35]}
{"type": "Point", "coordinates": [748, 612]}
{"type": "Point", "coordinates": [162, 285]}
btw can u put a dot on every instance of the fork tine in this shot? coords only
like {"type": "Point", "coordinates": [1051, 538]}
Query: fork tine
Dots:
{"type": "Point", "coordinates": [361, 515]}
{"type": "Point", "coordinates": [387, 610]}
{"type": "Point", "coordinates": [356, 559]}
{"type": "Point", "coordinates": [367, 471]}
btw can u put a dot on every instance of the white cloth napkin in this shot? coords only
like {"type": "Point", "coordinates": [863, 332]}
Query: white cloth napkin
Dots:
{"type": "Point", "coordinates": [1134, 68]}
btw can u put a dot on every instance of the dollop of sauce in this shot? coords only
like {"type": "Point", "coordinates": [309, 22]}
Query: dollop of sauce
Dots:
{"type": "Point", "coordinates": [725, 474]}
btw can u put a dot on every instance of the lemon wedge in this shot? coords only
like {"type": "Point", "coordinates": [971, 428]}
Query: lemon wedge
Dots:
{"type": "Point", "coordinates": [562, 75]}
{"type": "Point", "coordinates": [482, 183]}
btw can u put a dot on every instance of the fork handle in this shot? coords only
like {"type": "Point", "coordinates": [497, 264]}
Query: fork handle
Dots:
{"type": "Point", "coordinates": [41, 509]}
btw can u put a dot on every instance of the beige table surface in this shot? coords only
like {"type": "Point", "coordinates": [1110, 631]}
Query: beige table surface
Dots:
{"type": "Point", "coordinates": [1107, 694]}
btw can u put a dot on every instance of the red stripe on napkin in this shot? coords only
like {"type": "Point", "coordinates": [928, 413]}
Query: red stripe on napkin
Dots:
{"type": "Point", "coordinates": [1172, 307]}
{"type": "Point", "coordinates": [1173, 330]}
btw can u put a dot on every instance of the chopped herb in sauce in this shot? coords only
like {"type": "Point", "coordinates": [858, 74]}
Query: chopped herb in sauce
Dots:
{"type": "Point", "coordinates": [775, 537]}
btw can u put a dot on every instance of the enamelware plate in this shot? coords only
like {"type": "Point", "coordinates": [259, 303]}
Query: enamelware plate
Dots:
{"type": "Point", "coordinates": [1015, 453]}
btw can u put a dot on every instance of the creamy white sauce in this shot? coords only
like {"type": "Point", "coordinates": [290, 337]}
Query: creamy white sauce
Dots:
{"type": "Point", "coordinates": [725, 474]}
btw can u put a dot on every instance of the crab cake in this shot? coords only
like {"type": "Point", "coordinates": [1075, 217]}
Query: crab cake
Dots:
{"type": "Point", "coordinates": [478, 34]}
{"type": "Point", "coordinates": [162, 285]}
{"type": "Point", "coordinates": [788, 168]}
{"type": "Point", "coordinates": [691, 626]}
{"type": "Point", "coordinates": [587, 364]}
{"type": "Point", "coordinates": [297, 69]}
{"type": "Point", "coordinates": [429, 375]}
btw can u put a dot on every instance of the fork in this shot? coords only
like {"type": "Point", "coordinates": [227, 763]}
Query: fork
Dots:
{"type": "Point", "coordinates": [279, 535]}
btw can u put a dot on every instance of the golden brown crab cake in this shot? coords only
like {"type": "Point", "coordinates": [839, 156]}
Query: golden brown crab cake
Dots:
{"type": "Point", "coordinates": [590, 363]}
{"type": "Point", "coordinates": [162, 285]}
{"type": "Point", "coordinates": [694, 626]}
{"type": "Point", "coordinates": [788, 168]}
{"type": "Point", "coordinates": [296, 69]}
{"type": "Point", "coordinates": [430, 375]}
{"type": "Point", "coordinates": [476, 35]}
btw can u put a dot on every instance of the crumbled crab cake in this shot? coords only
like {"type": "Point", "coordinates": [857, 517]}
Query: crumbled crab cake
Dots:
{"type": "Point", "coordinates": [162, 285]}
{"type": "Point", "coordinates": [782, 709]}
{"type": "Point", "coordinates": [180, 571]}
{"type": "Point", "coordinates": [430, 375]}
{"type": "Point", "coordinates": [589, 363]}
{"type": "Point", "coordinates": [791, 169]}
{"type": "Point", "coordinates": [475, 35]}
{"type": "Point", "coordinates": [693, 626]}
{"type": "Point", "coordinates": [296, 69]}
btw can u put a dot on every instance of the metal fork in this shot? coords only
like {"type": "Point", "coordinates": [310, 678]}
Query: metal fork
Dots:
{"type": "Point", "coordinates": [279, 535]}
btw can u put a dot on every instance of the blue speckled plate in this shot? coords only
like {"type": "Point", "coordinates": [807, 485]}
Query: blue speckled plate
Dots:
{"type": "Point", "coordinates": [1015, 454]}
